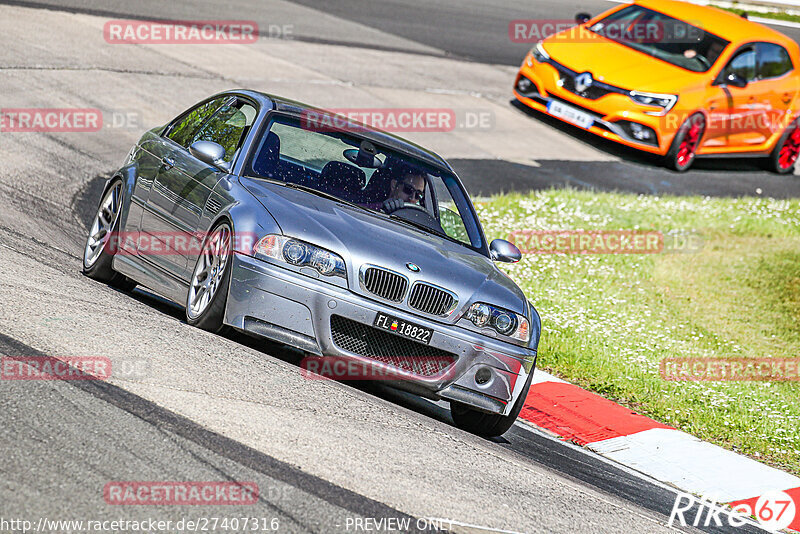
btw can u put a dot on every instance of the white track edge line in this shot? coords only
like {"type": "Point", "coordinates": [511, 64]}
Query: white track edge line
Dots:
{"type": "Point", "coordinates": [622, 467]}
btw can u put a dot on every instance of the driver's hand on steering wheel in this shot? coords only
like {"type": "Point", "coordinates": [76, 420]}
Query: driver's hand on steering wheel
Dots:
{"type": "Point", "coordinates": [392, 204]}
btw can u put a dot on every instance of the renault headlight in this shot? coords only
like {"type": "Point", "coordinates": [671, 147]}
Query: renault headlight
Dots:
{"type": "Point", "coordinates": [663, 101]}
{"type": "Point", "coordinates": [539, 54]}
{"type": "Point", "coordinates": [300, 254]}
{"type": "Point", "coordinates": [504, 322]}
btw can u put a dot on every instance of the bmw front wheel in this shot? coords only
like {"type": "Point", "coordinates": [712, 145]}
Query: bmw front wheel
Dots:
{"type": "Point", "coordinates": [208, 289]}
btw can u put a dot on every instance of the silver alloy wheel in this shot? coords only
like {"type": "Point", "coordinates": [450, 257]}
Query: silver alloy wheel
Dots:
{"type": "Point", "coordinates": [209, 271]}
{"type": "Point", "coordinates": [103, 225]}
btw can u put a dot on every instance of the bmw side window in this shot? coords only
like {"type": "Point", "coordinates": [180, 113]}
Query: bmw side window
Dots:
{"type": "Point", "coordinates": [773, 61]}
{"type": "Point", "coordinates": [452, 208]}
{"type": "Point", "coordinates": [449, 217]}
{"type": "Point", "coordinates": [185, 128]}
{"type": "Point", "coordinates": [228, 126]}
{"type": "Point", "coordinates": [743, 65]}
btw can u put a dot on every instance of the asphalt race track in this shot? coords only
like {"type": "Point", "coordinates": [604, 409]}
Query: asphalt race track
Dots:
{"type": "Point", "coordinates": [477, 32]}
{"type": "Point", "coordinates": [326, 456]}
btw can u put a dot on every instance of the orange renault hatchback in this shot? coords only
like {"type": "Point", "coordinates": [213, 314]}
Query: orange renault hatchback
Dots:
{"type": "Point", "coordinates": [674, 79]}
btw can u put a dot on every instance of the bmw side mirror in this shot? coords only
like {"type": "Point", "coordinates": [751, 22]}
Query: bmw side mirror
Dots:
{"type": "Point", "coordinates": [735, 80]}
{"type": "Point", "coordinates": [582, 18]}
{"type": "Point", "coordinates": [502, 250]}
{"type": "Point", "coordinates": [211, 153]}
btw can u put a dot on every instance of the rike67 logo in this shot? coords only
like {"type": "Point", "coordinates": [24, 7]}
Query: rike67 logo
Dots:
{"type": "Point", "coordinates": [774, 510]}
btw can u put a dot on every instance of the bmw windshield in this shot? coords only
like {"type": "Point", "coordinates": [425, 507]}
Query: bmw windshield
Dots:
{"type": "Point", "coordinates": [340, 165]}
{"type": "Point", "coordinates": [662, 37]}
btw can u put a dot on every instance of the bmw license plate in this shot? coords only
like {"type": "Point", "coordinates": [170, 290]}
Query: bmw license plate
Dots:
{"type": "Point", "coordinates": [570, 114]}
{"type": "Point", "coordinates": [403, 328]}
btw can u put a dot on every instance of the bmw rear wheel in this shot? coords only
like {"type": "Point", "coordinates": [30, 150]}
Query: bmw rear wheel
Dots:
{"type": "Point", "coordinates": [103, 241]}
{"type": "Point", "coordinates": [684, 146]}
{"type": "Point", "coordinates": [208, 289]}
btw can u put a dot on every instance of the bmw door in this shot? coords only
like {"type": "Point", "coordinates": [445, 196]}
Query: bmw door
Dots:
{"type": "Point", "coordinates": [181, 189]}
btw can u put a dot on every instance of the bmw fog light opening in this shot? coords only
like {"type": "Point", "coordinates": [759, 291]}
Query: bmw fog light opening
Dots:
{"type": "Point", "coordinates": [300, 254]}
{"type": "Point", "coordinates": [483, 376]}
{"type": "Point", "coordinates": [502, 321]}
{"type": "Point", "coordinates": [663, 101]}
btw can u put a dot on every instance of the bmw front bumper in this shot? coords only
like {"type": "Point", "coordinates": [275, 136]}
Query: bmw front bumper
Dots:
{"type": "Point", "coordinates": [273, 302]}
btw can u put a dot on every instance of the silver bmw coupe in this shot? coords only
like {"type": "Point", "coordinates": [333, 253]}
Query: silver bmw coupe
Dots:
{"type": "Point", "coordinates": [287, 222]}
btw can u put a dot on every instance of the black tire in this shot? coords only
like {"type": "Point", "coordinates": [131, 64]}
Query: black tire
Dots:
{"type": "Point", "coordinates": [776, 161]}
{"type": "Point", "coordinates": [98, 265]}
{"type": "Point", "coordinates": [488, 425]}
{"type": "Point", "coordinates": [677, 157]}
{"type": "Point", "coordinates": [211, 317]}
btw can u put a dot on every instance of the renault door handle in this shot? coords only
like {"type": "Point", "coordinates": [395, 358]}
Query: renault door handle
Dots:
{"type": "Point", "coordinates": [167, 163]}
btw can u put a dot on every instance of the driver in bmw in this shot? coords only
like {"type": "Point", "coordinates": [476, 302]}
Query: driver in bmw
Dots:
{"type": "Point", "coordinates": [409, 189]}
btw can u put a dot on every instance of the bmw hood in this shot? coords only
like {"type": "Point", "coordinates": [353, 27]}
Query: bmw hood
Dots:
{"type": "Point", "coordinates": [362, 238]}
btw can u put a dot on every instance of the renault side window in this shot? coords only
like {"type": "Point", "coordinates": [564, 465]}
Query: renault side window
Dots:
{"type": "Point", "coordinates": [743, 65]}
{"type": "Point", "coordinates": [773, 61]}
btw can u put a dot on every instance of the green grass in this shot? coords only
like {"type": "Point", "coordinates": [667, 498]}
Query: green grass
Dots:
{"type": "Point", "coordinates": [608, 320]}
{"type": "Point", "coordinates": [776, 15]}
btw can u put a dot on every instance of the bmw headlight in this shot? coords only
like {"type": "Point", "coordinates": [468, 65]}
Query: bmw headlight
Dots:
{"type": "Point", "coordinates": [300, 254]}
{"type": "Point", "coordinates": [539, 54]}
{"type": "Point", "coordinates": [663, 101]}
{"type": "Point", "coordinates": [504, 322]}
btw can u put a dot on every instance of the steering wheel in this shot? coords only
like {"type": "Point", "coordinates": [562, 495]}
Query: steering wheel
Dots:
{"type": "Point", "coordinates": [703, 60]}
{"type": "Point", "coordinates": [406, 205]}
{"type": "Point", "coordinates": [409, 206]}
{"type": "Point", "coordinates": [419, 215]}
